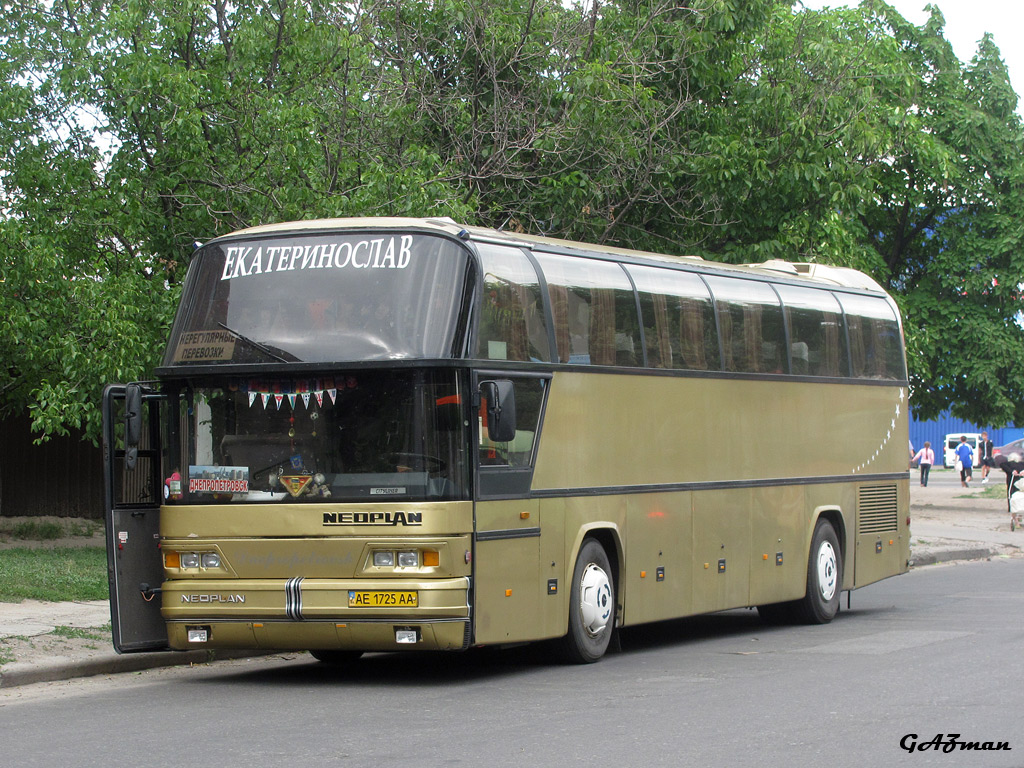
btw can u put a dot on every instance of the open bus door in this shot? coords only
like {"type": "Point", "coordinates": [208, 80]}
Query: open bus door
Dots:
{"type": "Point", "coordinates": [133, 491]}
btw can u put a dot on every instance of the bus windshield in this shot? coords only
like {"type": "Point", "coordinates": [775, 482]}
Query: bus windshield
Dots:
{"type": "Point", "coordinates": [367, 435]}
{"type": "Point", "coordinates": [322, 297]}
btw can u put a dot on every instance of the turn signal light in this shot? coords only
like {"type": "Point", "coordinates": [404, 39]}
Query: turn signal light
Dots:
{"type": "Point", "coordinates": [431, 559]}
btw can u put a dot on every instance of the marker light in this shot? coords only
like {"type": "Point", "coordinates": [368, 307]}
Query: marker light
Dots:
{"type": "Point", "coordinates": [383, 559]}
{"type": "Point", "coordinates": [408, 559]}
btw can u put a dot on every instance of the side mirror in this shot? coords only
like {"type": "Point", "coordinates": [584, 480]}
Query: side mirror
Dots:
{"type": "Point", "coordinates": [132, 424]}
{"type": "Point", "coordinates": [500, 396]}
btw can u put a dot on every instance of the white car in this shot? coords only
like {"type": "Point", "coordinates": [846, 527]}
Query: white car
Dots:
{"type": "Point", "coordinates": [953, 440]}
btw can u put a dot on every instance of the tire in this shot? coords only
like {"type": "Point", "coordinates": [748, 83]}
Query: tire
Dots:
{"type": "Point", "coordinates": [591, 606]}
{"type": "Point", "coordinates": [824, 577]}
{"type": "Point", "coordinates": [336, 658]}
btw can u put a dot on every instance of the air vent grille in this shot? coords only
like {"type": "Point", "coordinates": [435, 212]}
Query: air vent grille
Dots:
{"type": "Point", "coordinates": [877, 510]}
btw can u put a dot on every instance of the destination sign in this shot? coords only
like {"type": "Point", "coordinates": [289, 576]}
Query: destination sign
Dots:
{"type": "Point", "coordinates": [393, 252]}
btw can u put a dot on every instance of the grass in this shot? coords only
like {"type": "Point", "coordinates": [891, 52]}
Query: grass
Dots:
{"type": "Point", "coordinates": [75, 573]}
{"type": "Point", "coordinates": [85, 634]}
{"type": "Point", "coordinates": [36, 531]}
{"type": "Point", "coordinates": [47, 530]}
{"type": "Point", "coordinates": [994, 489]}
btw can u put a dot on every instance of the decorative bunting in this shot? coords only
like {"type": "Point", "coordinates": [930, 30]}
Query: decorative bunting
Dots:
{"type": "Point", "coordinates": [262, 391]}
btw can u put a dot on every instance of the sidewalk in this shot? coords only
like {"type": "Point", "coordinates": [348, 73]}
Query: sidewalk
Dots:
{"type": "Point", "coordinates": [948, 523]}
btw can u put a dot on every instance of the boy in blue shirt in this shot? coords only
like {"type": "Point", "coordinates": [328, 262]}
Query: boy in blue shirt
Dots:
{"type": "Point", "coordinates": [965, 454]}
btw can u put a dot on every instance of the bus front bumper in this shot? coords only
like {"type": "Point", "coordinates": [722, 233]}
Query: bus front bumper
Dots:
{"type": "Point", "coordinates": [306, 614]}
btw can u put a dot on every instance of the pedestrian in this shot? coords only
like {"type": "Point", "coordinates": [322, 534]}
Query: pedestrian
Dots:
{"type": "Point", "coordinates": [985, 449]}
{"type": "Point", "coordinates": [965, 457]}
{"type": "Point", "coordinates": [925, 458]}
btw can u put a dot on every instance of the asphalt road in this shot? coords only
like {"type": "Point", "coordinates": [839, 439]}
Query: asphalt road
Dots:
{"type": "Point", "coordinates": [937, 651]}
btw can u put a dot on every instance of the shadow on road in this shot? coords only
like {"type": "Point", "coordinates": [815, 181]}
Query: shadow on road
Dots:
{"type": "Point", "coordinates": [424, 669]}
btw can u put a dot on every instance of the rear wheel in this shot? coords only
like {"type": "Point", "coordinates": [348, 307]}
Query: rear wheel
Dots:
{"type": "Point", "coordinates": [591, 606]}
{"type": "Point", "coordinates": [336, 658]}
{"type": "Point", "coordinates": [824, 577]}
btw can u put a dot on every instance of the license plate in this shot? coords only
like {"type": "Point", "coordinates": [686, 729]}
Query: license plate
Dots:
{"type": "Point", "coordinates": [382, 599]}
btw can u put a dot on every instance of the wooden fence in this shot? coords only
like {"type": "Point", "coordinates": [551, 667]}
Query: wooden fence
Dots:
{"type": "Point", "coordinates": [61, 477]}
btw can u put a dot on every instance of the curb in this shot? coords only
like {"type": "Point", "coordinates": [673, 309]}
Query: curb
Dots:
{"type": "Point", "coordinates": [15, 674]}
{"type": "Point", "coordinates": [931, 558]}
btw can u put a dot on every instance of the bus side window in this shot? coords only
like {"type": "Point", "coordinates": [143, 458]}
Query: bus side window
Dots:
{"type": "Point", "coordinates": [519, 451]}
{"type": "Point", "coordinates": [875, 344]}
{"type": "Point", "coordinates": [594, 311]}
{"type": "Point", "coordinates": [678, 319]}
{"type": "Point", "coordinates": [512, 325]}
{"type": "Point", "coordinates": [750, 318]}
{"type": "Point", "coordinates": [817, 344]}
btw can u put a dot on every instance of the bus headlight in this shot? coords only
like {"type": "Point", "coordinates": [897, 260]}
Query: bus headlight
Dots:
{"type": "Point", "coordinates": [409, 559]}
{"type": "Point", "coordinates": [384, 559]}
{"type": "Point", "coordinates": [192, 559]}
{"type": "Point", "coordinates": [189, 559]}
{"type": "Point", "coordinates": [211, 560]}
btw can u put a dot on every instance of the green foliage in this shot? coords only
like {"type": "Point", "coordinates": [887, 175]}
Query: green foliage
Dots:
{"type": "Point", "coordinates": [44, 531]}
{"type": "Point", "coordinates": [53, 574]}
{"type": "Point", "coordinates": [84, 634]}
{"type": "Point", "coordinates": [739, 131]}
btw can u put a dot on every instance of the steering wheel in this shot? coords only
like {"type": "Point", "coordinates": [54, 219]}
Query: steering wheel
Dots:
{"type": "Point", "coordinates": [418, 462]}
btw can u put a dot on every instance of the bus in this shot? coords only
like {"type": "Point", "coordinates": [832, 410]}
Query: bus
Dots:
{"type": "Point", "coordinates": [386, 434]}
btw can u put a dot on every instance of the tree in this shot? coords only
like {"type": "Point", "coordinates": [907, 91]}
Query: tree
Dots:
{"type": "Point", "coordinates": [129, 130]}
{"type": "Point", "coordinates": [739, 131]}
{"type": "Point", "coordinates": [945, 223]}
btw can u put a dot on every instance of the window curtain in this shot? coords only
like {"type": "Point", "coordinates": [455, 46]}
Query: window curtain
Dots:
{"type": "Point", "coordinates": [560, 311]}
{"type": "Point", "coordinates": [691, 335]}
{"type": "Point", "coordinates": [602, 326]}
{"type": "Point", "coordinates": [664, 339]}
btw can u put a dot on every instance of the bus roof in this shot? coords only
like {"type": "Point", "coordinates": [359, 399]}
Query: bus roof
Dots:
{"type": "Point", "coordinates": [812, 272]}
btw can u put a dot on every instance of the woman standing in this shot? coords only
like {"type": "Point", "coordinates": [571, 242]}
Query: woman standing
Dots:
{"type": "Point", "coordinates": [925, 458]}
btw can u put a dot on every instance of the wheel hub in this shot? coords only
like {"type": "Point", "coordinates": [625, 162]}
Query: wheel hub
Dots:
{"type": "Point", "coordinates": [828, 571]}
{"type": "Point", "coordinates": [595, 599]}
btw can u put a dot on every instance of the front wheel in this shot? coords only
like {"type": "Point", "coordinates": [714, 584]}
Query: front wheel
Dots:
{"type": "Point", "coordinates": [824, 577]}
{"type": "Point", "coordinates": [591, 606]}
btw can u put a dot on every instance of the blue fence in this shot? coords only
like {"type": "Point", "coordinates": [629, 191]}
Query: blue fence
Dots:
{"type": "Point", "coordinates": [936, 430]}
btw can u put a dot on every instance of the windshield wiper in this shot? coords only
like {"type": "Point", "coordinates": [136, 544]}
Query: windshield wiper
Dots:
{"type": "Point", "coordinates": [255, 344]}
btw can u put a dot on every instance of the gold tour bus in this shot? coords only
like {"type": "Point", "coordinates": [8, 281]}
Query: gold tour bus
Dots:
{"type": "Point", "coordinates": [387, 434]}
